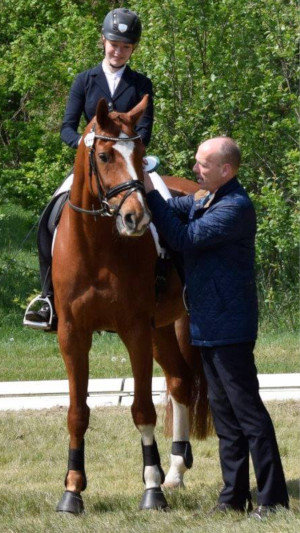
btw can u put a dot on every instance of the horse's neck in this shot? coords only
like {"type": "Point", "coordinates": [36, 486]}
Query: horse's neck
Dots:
{"type": "Point", "coordinates": [94, 228]}
{"type": "Point", "coordinates": [81, 195]}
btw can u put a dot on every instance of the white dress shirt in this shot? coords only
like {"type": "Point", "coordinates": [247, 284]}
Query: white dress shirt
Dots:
{"type": "Point", "coordinates": [113, 78]}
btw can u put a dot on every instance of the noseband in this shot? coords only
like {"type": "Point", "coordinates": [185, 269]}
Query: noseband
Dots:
{"type": "Point", "coordinates": [104, 195]}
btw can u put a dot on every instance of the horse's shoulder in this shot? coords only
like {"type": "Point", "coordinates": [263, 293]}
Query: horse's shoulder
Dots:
{"type": "Point", "coordinates": [180, 186]}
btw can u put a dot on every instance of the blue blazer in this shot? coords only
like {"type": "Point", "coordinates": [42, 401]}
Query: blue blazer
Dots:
{"type": "Point", "coordinates": [91, 85]}
{"type": "Point", "coordinates": [217, 242]}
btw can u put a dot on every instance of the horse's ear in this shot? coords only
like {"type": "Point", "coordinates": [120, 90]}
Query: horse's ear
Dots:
{"type": "Point", "coordinates": [102, 114]}
{"type": "Point", "coordinates": [138, 110]}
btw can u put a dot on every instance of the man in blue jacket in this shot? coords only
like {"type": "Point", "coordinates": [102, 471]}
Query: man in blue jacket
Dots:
{"type": "Point", "coordinates": [216, 236]}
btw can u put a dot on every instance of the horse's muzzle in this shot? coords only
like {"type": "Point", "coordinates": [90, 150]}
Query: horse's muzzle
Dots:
{"type": "Point", "coordinates": [132, 224]}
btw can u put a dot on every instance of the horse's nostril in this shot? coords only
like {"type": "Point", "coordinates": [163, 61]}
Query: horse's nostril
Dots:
{"type": "Point", "coordinates": [130, 221]}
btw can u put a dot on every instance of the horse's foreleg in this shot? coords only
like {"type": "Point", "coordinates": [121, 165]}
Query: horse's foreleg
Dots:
{"type": "Point", "coordinates": [75, 348]}
{"type": "Point", "coordinates": [138, 343]}
{"type": "Point", "coordinates": [153, 474]}
{"type": "Point", "coordinates": [178, 376]}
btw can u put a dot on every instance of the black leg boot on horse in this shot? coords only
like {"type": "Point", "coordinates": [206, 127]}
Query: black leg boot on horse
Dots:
{"type": "Point", "coordinates": [71, 502]}
{"type": "Point", "coordinates": [153, 497]}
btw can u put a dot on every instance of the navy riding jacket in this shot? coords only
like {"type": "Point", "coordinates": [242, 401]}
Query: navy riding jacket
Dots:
{"type": "Point", "coordinates": [217, 242]}
{"type": "Point", "coordinates": [91, 85]}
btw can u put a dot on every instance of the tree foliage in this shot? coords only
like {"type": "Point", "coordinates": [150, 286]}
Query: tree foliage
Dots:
{"type": "Point", "coordinates": [218, 67]}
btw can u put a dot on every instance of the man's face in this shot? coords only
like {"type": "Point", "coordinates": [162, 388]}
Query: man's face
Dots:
{"type": "Point", "coordinates": [209, 169]}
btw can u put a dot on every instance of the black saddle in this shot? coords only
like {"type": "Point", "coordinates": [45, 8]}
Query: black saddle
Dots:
{"type": "Point", "coordinates": [55, 209]}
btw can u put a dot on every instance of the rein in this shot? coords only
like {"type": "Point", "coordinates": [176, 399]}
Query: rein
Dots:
{"type": "Point", "coordinates": [104, 195]}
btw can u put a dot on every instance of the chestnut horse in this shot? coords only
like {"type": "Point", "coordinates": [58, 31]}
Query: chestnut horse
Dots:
{"type": "Point", "coordinates": [103, 274]}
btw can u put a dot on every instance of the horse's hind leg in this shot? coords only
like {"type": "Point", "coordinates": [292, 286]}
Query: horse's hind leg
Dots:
{"type": "Point", "coordinates": [75, 347]}
{"type": "Point", "coordinates": [138, 342]}
{"type": "Point", "coordinates": [178, 376]}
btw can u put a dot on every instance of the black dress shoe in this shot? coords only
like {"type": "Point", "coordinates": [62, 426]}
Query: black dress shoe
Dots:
{"type": "Point", "coordinates": [263, 511]}
{"type": "Point", "coordinates": [223, 508]}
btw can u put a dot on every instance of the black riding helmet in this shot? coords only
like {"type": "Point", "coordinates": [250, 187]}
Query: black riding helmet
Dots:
{"type": "Point", "coordinates": [122, 25]}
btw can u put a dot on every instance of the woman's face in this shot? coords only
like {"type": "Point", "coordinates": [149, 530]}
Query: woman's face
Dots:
{"type": "Point", "coordinates": [117, 53]}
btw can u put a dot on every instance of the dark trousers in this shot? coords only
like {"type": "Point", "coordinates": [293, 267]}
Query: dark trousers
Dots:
{"type": "Point", "coordinates": [242, 424]}
{"type": "Point", "coordinates": [44, 241]}
{"type": "Point", "coordinates": [47, 224]}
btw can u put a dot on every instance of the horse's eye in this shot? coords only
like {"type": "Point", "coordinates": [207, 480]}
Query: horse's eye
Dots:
{"type": "Point", "coordinates": [103, 157]}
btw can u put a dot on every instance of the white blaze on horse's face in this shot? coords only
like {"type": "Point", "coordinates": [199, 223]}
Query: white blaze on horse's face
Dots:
{"type": "Point", "coordinates": [126, 150]}
{"type": "Point", "coordinates": [128, 223]}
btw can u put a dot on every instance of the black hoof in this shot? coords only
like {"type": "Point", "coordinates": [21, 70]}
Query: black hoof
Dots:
{"type": "Point", "coordinates": [71, 502]}
{"type": "Point", "coordinates": [154, 499]}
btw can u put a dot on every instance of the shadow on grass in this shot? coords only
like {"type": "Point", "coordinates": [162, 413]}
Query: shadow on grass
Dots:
{"type": "Point", "coordinates": [179, 499]}
{"type": "Point", "coordinates": [111, 504]}
{"type": "Point", "coordinates": [293, 486]}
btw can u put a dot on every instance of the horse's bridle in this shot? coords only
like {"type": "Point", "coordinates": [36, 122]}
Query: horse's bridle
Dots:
{"type": "Point", "coordinates": [104, 195]}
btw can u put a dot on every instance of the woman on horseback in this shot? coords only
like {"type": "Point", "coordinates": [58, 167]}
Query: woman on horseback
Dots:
{"type": "Point", "coordinates": [122, 88]}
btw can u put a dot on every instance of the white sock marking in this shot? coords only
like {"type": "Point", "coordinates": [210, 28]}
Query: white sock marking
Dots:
{"type": "Point", "coordinates": [174, 477]}
{"type": "Point", "coordinates": [180, 421]}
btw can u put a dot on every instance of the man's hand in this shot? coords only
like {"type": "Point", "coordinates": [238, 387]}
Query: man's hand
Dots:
{"type": "Point", "coordinates": [148, 183]}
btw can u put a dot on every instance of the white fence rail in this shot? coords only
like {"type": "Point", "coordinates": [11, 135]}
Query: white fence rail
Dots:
{"type": "Point", "coordinates": [16, 395]}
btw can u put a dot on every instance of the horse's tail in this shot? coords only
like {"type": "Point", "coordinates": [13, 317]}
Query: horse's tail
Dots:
{"type": "Point", "coordinates": [201, 424]}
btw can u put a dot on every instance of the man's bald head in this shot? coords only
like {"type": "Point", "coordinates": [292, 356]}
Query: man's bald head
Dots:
{"type": "Point", "coordinates": [217, 161]}
{"type": "Point", "coordinates": [225, 149]}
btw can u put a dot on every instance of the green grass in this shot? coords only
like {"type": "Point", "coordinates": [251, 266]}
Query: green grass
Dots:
{"type": "Point", "coordinates": [278, 353]}
{"type": "Point", "coordinates": [33, 463]}
{"type": "Point", "coordinates": [31, 355]}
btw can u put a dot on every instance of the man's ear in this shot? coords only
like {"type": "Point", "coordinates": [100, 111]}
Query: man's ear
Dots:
{"type": "Point", "coordinates": [226, 169]}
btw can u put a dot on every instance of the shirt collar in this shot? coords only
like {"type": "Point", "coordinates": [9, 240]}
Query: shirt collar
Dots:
{"type": "Point", "coordinates": [107, 72]}
{"type": "Point", "coordinates": [227, 187]}
{"type": "Point", "coordinates": [206, 201]}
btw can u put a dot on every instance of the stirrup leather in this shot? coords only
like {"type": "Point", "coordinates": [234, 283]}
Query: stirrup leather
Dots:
{"type": "Point", "coordinates": [45, 325]}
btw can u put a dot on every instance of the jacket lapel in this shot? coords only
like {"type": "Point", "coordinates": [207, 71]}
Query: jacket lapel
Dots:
{"type": "Point", "coordinates": [124, 83]}
{"type": "Point", "coordinates": [100, 79]}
